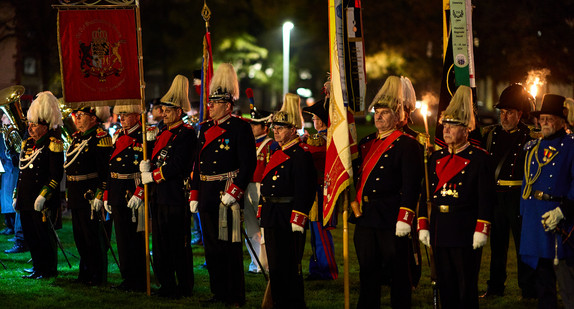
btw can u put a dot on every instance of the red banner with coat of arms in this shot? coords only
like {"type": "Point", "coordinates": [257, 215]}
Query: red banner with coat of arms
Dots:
{"type": "Point", "coordinates": [99, 57]}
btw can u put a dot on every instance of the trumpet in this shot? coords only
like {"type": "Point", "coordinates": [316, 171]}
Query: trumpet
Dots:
{"type": "Point", "coordinates": [10, 105]}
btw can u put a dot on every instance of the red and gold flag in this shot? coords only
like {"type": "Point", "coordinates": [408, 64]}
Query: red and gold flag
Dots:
{"type": "Point", "coordinates": [99, 57]}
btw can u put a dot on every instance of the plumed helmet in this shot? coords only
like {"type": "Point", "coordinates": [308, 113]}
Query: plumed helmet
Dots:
{"type": "Point", "coordinates": [178, 94]}
{"type": "Point", "coordinates": [45, 109]}
{"type": "Point", "coordinates": [390, 96]}
{"type": "Point", "coordinates": [290, 113]}
{"type": "Point", "coordinates": [569, 103]}
{"type": "Point", "coordinates": [409, 95]}
{"type": "Point", "coordinates": [460, 110]}
{"type": "Point", "coordinates": [516, 97]}
{"type": "Point", "coordinates": [260, 116]}
{"type": "Point", "coordinates": [224, 85]}
{"type": "Point", "coordinates": [128, 109]}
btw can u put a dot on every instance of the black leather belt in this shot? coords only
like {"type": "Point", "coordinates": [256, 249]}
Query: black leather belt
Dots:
{"type": "Point", "coordinates": [278, 200]}
{"type": "Point", "coordinates": [541, 196]}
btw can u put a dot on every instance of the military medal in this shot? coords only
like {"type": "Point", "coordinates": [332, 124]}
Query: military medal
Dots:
{"type": "Point", "coordinates": [227, 144]}
{"type": "Point", "coordinates": [443, 192]}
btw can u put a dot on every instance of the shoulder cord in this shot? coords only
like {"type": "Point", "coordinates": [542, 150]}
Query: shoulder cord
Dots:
{"type": "Point", "coordinates": [531, 180]}
{"type": "Point", "coordinates": [76, 151]}
{"type": "Point", "coordinates": [31, 158]}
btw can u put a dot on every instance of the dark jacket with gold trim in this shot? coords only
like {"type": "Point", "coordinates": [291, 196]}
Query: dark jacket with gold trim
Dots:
{"type": "Point", "coordinates": [43, 173]}
{"type": "Point", "coordinates": [125, 159]}
{"type": "Point", "coordinates": [394, 181]}
{"type": "Point", "coordinates": [291, 175]}
{"type": "Point", "coordinates": [93, 158]}
{"type": "Point", "coordinates": [466, 187]}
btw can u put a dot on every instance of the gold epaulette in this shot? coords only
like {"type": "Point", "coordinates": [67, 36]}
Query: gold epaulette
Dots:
{"type": "Point", "coordinates": [316, 140]}
{"type": "Point", "coordinates": [422, 138]}
{"type": "Point", "coordinates": [535, 134]}
{"type": "Point", "coordinates": [105, 142]}
{"type": "Point", "coordinates": [56, 145]}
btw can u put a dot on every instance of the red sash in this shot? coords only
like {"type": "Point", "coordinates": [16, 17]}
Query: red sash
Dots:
{"type": "Point", "coordinates": [371, 160]}
{"type": "Point", "coordinates": [211, 134]}
{"type": "Point", "coordinates": [447, 167]}
{"type": "Point", "coordinates": [161, 142]}
{"type": "Point", "coordinates": [122, 143]}
{"type": "Point", "coordinates": [277, 158]}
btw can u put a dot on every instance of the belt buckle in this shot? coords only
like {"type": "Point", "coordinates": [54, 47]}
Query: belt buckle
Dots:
{"type": "Point", "coordinates": [538, 195]}
{"type": "Point", "coordinates": [444, 208]}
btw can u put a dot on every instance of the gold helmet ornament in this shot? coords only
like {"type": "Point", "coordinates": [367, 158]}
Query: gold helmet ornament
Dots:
{"type": "Point", "coordinates": [390, 96]}
{"type": "Point", "coordinates": [460, 110]}
{"type": "Point", "coordinates": [409, 95]}
{"type": "Point", "coordinates": [224, 85]}
{"type": "Point", "coordinates": [178, 94]}
{"type": "Point", "coordinates": [128, 109]}
{"type": "Point", "coordinates": [45, 109]}
{"type": "Point", "coordinates": [290, 113]}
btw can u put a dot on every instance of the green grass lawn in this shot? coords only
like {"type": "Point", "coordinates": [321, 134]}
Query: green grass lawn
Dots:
{"type": "Point", "coordinates": [62, 292]}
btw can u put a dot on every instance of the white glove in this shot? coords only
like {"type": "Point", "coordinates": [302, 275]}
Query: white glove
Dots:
{"type": "Point", "coordinates": [135, 202]}
{"type": "Point", "coordinates": [147, 177]}
{"type": "Point", "coordinates": [145, 166]}
{"type": "Point", "coordinates": [38, 204]}
{"type": "Point", "coordinates": [551, 218]}
{"type": "Point", "coordinates": [108, 207]}
{"type": "Point", "coordinates": [97, 204]}
{"type": "Point", "coordinates": [14, 204]}
{"type": "Point", "coordinates": [402, 229]}
{"type": "Point", "coordinates": [297, 228]}
{"type": "Point", "coordinates": [479, 240]}
{"type": "Point", "coordinates": [424, 237]}
{"type": "Point", "coordinates": [151, 134]}
{"type": "Point", "coordinates": [193, 206]}
{"type": "Point", "coordinates": [227, 199]}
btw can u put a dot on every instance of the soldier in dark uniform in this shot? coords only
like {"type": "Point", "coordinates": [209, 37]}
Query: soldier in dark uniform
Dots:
{"type": "Point", "coordinates": [171, 164]}
{"type": "Point", "coordinates": [505, 143]}
{"type": "Point", "coordinates": [38, 192]}
{"type": "Point", "coordinates": [259, 122]}
{"type": "Point", "coordinates": [122, 183]}
{"type": "Point", "coordinates": [462, 197]}
{"type": "Point", "coordinates": [389, 174]}
{"type": "Point", "coordinates": [86, 174]}
{"type": "Point", "coordinates": [322, 265]}
{"type": "Point", "coordinates": [288, 190]}
{"type": "Point", "coordinates": [547, 205]}
{"type": "Point", "coordinates": [225, 165]}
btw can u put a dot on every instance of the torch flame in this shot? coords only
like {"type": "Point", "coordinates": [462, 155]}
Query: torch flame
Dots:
{"type": "Point", "coordinates": [536, 80]}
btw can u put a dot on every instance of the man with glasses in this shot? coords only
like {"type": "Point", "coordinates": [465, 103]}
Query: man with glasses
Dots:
{"type": "Point", "coordinates": [86, 175]}
{"type": "Point", "coordinates": [225, 165]}
{"type": "Point", "coordinates": [547, 205]}
{"type": "Point", "coordinates": [123, 179]}
{"type": "Point", "coordinates": [288, 189]}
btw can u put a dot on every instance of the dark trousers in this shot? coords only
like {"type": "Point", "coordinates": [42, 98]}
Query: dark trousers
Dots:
{"type": "Point", "coordinates": [377, 248]}
{"type": "Point", "coordinates": [131, 247]}
{"type": "Point", "coordinates": [224, 260]}
{"type": "Point", "coordinates": [41, 242]}
{"type": "Point", "coordinates": [173, 258]}
{"type": "Point", "coordinates": [457, 276]}
{"type": "Point", "coordinates": [91, 244]}
{"type": "Point", "coordinates": [546, 284]}
{"type": "Point", "coordinates": [506, 220]}
{"type": "Point", "coordinates": [284, 254]}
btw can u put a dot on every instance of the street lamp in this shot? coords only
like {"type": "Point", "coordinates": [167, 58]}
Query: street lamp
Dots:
{"type": "Point", "coordinates": [287, 26]}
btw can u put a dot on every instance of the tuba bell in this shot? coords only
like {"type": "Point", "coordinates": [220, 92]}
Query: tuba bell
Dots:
{"type": "Point", "coordinates": [10, 105]}
{"type": "Point", "coordinates": [69, 127]}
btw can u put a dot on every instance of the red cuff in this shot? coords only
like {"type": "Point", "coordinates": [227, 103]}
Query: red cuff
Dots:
{"type": "Point", "coordinates": [157, 175]}
{"type": "Point", "coordinates": [406, 215]}
{"type": "Point", "coordinates": [259, 211]}
{"type": "Point", "coordinates": [423, 224]}
{"type": "Point", "coordinates": [234, 191]}
{"type": "Point", "coordinates": [482, 226]}
{"type": "Point", "coordinates": [298, 218]}
{"type": "Point", "coordinates": [139, 192]}
{"type": "Point", "coordinates": [193, 195]}
{"type": "Point", "coordinates": [105, 195]}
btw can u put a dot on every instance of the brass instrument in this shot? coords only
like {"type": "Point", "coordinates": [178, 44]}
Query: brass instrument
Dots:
{"type": "Point", "coordinates": [10, 105]}
{"type": "Point", "coordinates": [69, 127]}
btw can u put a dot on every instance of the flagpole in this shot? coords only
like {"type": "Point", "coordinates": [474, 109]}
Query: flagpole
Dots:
{"type": "Point", "coordinates": [346, 249]}
{"type": "Point", "coordinates": [144, 144]}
